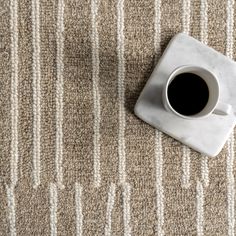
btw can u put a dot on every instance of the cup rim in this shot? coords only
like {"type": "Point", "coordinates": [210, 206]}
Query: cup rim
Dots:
{"type": "Point", "coordinates": [190, 68]}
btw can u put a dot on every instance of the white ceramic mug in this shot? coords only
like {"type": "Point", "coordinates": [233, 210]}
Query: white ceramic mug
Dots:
{"type": "Point", "coordinates": [212, 106]}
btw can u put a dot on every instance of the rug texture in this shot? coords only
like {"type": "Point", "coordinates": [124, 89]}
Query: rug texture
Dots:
{"type": "Point", "coordinates": [74, 159]}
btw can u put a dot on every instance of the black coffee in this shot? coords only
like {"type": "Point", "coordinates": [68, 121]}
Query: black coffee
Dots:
{"type": "Point", "coordinates": [188, 94]}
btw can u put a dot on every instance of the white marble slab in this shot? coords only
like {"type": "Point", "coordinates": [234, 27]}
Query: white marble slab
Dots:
{"type": "Point", "coordinates": [206, 135]}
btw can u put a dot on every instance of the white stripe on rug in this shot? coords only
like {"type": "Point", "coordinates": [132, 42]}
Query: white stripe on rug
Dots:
{"type": "Point", "coordinates": [110, 205]}
{"type": "Point", "coordinates": [126, 209]}
{"type": "Point", "coordinates": [96, 94]}
{"type": "Point", "coordinates": [78, 209]}
{"type": "Point", "coordinates": [230, 187]}
{"type": "Point", "coordinates": [230, 29]}
{"type": "Point", "coordinates": [59, 94]}
{"type": "Point", "coordinates": [204, 21]}
{"type": "Point", "coordinates": [200, 211]}
{"type": "Point", "coordinates": [36, 92]}
{"type": "Point", "coordinates": [204, 39]}
{"type": "Point", "coordinates": [14, 90]}
{"type": "Point", "coordinates": [159, 187]}
{"type": "Point", "coordinates": [121, 90]}
{"type": "Point", "coordinates": [158, 134]}
{"type": "Point", "coordinates": [186, 167]}
{"type": "Point", "coordinates": [157, 30]}
{"type": "Point", "coordinates": [11, 209]}
{"type": "Point", "coordinates": [186, 11]}
{"type": "Point", "coordinates": [53, 209]}
{"type": "Point", "coordinates": [230, 156]}
{"type": "Point", "coordinates": [204, 171]}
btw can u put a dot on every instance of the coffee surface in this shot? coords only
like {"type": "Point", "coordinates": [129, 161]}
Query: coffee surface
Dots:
{"type": "Point", "coordinates": [188, 94]}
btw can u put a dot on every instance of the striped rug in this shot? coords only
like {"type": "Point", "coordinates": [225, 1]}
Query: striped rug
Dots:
{"type": "Point", "coordinates": [74, 159]}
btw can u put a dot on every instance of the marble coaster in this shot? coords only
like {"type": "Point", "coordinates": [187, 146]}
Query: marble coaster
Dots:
{"type": "Point", "coordinates": [206, 135]}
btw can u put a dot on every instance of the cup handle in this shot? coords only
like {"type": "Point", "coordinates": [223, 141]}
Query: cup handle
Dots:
{"type": "Point", "coordinates": [222, 108]}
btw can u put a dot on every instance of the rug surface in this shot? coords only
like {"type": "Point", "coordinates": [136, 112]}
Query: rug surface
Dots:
{"type": "Point", "coordinates": [74, 159]}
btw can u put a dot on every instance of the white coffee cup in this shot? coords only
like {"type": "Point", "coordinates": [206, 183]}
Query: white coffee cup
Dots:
{"type": "Point", "coordinates": [212, 106]}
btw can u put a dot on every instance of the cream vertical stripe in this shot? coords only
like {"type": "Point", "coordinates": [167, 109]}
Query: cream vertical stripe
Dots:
{"type": "Point", "coordinates": [59, 93]}
{"type": "Point", "coordinates": [157, 29]}
{"type": "Point", "coordinates": [36, 91]}
{"type": "Point", "coordinates": [230, 28]}
{"type": "Point", "coordinates": [14, 90]}
{"type": "Point", "coordinates": [11, 208]}
{"type": "Point", "coordinates": [110, 205]}
{"type": "Point", "coordinates": [158, 135]}
{"type": "Point", "coordinates": [204, 39]}
{"type": "Point", "coordinates": [79, 210]}
{"type": "Point", "coordinates": [186, 16]}
{"type": "Point", "coordinates": [186, 11]}
{"type": "Point", "coordinates": [96, 94]}
{"type": "Point", "coordinates": [231, 187]}
{"type": "Point", "coordinates": [126, 209]}
{"type": "Point", "coordinates": [159, 187]}
{"type": "Point", "coordinates": [121, 90]}
{"type": "Point", "coordinates": [230, 156]}
{"type": "Point", "coordinates": [53, 209]}
{"type": "Point", "coordinates": [186, 167]}
{"type": "Point", "coordinates": [204, 21]}
{"type": "Point", "coordinates": [205, 171]}
{"type": "Point", "coordinates": [200, 212]}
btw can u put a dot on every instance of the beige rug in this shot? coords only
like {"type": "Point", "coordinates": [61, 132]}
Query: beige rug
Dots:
{"type": "Point", "coordinates": [74, 159]}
